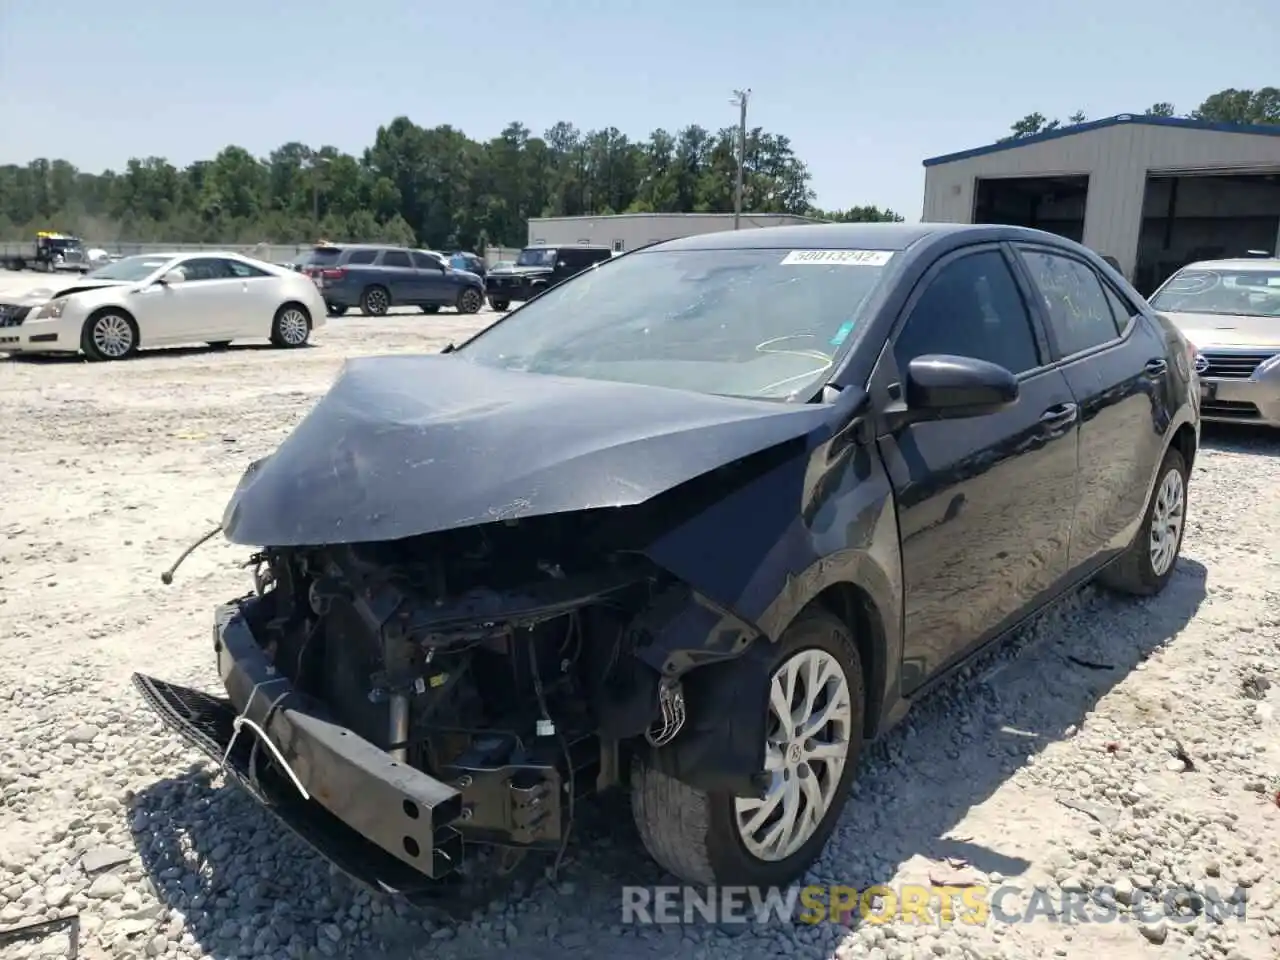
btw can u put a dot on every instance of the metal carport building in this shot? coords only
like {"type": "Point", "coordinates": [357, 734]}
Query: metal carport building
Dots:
{"type": "Point", "coordinates": [1152, 192]}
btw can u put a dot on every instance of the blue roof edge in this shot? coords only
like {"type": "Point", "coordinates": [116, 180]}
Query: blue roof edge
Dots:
{"type": "Point", "coordinates": [1266, 130]}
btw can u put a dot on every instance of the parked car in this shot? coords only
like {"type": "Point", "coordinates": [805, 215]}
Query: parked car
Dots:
{"type": "Point", "coordinates": [163, 300]}
{"type": "Point", "coordinates": [376, 278]}
{"type": "Point", "coordinates": [470, 262]}
{"type": "Point", "coordinates": [699, 522]}
{"type": "Point", "coordinates": [1230, 310]}
{"type": "Point", "coordinates": [537, 269]}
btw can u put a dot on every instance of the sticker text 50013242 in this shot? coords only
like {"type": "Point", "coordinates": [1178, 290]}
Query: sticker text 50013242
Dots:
{"type": "Point", "coordinates": [841, 258]}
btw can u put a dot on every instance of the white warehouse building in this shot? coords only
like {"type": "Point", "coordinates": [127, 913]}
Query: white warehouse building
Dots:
{"type": "Point", "coordinates": [626, 231]}
{"type": "Point", "coordinates": [1155, 193]}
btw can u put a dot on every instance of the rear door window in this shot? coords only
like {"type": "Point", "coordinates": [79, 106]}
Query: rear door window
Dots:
{"type": "Point", "coordinates": [396, 258]}
{"type": "Point", "coordinates": [1080, 315]}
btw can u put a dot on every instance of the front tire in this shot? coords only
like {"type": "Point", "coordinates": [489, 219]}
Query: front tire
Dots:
{"type": "Point", "coordinates": [291, 327]}
{"type": "Point", "coordinates": [470, 300]}
{"type": "Point", "coordinates": [499, 304]}
{"type": "Point", "coordinates": [110, 334]}
{"type": "Point", "coordinates": [1146, 568]}
{"type": "Point", "coordinates": [814, 741]}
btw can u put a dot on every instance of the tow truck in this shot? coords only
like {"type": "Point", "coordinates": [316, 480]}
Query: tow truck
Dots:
{"type": "Point", "coordinates": [52, 251]}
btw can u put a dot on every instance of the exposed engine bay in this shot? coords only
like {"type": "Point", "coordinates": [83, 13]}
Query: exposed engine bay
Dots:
{"type": "Point", "coordinates": [498, 658]}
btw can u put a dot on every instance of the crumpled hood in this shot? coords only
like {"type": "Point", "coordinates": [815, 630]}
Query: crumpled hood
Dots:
{"type": "Point", "coordinates": [41, 295]}
{"type": "Point", "coordinates": [1215, 330]}
{"type": "Point", "coordinates": [403, 446]}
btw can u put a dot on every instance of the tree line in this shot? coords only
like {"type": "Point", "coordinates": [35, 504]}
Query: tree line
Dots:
{"type": "Point", "coordinates": [414, 185]}
{"type": "Point", "coordinates": [1259, 107]}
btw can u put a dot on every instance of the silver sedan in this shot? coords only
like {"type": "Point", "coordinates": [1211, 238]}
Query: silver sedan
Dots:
{"type": "Point", "coordinates": [1230, 311]}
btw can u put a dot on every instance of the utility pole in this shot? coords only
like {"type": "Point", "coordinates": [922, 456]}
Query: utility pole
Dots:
{"type": "Point", "coordinates": [317, 162]}
{"type": "Point", "coordinates": [740, 98]}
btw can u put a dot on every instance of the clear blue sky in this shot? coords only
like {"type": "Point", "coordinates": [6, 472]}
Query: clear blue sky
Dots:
{"type": "Point", "coordinates": [865, 91]}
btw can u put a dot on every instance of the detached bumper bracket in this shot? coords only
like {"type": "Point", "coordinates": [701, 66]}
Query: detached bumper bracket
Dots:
{"type": "Point", "coordinates": [385, 823]}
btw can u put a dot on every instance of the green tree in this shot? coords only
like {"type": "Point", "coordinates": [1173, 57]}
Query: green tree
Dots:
{"type": "Point", "coordinates": [1261, 107]}
{"type": "Point", "coordinates": [431, 186]}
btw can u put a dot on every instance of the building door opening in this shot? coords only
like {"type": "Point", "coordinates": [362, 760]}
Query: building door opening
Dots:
{"type": "Point", "coordinates": [1053, 204]}
{"type": "Point", "coordinates": [1192, 217]}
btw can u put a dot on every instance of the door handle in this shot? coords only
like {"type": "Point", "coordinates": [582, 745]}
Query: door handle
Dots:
{"type": "Point", "coordinates": [1155, 367]}
{"type": "Point", "coordinates": [1060, 415]}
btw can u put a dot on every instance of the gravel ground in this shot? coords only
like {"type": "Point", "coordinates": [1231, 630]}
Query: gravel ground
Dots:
{"type": "Point", "coordinates": [112, 469]}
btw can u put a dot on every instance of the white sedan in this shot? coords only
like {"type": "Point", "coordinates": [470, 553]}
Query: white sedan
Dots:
{"type": "Point", "coordinates": [165, 299]}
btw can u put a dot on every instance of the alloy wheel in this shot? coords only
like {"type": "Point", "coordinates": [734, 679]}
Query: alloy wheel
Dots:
{"type": "Point", "coordinates": [112, 336]}
{"type": "Point", "coordinates": [293, 327]}
{"type": "Point", "coordinates": [375, 301]}
{"type": "Point", "coordinates": [1166, 522]}
{"type": "Point", "coordinates": [811, 720]}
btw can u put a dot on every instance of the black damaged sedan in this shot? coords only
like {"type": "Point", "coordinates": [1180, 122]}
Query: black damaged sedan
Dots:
{"type": "Point", "coordinates": [698, 523]}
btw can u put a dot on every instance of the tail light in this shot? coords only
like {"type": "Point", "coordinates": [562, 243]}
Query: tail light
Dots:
{"type": "Point", "coordinates": [333, 273]}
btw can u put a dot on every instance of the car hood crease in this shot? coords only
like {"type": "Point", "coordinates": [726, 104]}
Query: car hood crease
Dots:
{"type": "Point", "coordinates": [404, 446]}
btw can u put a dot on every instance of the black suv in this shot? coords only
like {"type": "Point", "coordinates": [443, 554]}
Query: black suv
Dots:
{"type": "Point", "coordinates": [537, 269]}
{"type": "Point", "coordinates": [376, 278]}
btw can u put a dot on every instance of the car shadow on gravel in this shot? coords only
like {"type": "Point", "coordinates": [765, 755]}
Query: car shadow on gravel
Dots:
{"type": "Point", "coordinates": [246, 888]}
{"type": "Point", "coordinates": [155, 353]}
{"type": "Point", "coordinates": [1240, 438]}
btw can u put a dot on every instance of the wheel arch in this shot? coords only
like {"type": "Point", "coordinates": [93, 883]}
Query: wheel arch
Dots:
{"type": "Point", "coordinates": [300, 305]}
{"type": "Point", "coordinates": [1186, 443]}
{"type": "Point", "coordinates": [854, 606]}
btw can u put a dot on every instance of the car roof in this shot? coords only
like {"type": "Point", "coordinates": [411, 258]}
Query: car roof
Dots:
{"type": "Point", "coordinates": [567, 246]}
{"type": "Point", "coordinates": [836, 236]}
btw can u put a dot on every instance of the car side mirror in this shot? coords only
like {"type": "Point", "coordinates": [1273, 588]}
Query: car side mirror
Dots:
{"type": "Point", "coordinates": [945, 387]}
{"type": "Point", "coordinates": [172, 277]}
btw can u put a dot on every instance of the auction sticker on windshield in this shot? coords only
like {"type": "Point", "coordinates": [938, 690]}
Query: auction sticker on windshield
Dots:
{"type": "Point", "coordinates": [842, 258]}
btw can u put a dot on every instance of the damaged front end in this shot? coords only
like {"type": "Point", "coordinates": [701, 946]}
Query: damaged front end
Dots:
{"type": "Point", "coordinates": [465, 617]}
{"type": "Point", "coordinates": [391, 700]}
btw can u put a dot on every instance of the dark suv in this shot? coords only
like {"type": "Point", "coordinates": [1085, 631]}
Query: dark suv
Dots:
{"type": "Point", "coordinates": [537, 269]}
{"type": "Point", "coordinates": [377, 278]}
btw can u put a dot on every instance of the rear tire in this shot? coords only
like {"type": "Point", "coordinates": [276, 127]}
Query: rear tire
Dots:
{"type": "Point", "coordinates": [375, 302]}
{"type": "Point", "coordinates": [1146, 568]}
{"type": "Point", "coordinates": [499, 305]}
{"type": "Point", "coordinates": [109, 334]}
{"type": "Point", "coordinates": [470, 300]}
{"type": "Point", "coordinates": [708, 838]}
{"type": "Point", "coordinates": [291, 327]}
